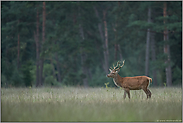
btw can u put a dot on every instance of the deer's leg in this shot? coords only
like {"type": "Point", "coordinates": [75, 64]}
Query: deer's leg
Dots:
{"type": "Point", "coordinates": [147, 91]}
{"type": "Point", "coordinates": [124, 96]}
{"type": "Point", "coordinates": [128, 92]}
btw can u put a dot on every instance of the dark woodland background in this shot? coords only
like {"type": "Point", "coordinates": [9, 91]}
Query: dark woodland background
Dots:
{"type": "Point", "coordinates": [75, 43]}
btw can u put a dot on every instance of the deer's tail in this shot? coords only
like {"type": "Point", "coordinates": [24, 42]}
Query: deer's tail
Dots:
{"type": "Point", "coordinates": [150, 81]}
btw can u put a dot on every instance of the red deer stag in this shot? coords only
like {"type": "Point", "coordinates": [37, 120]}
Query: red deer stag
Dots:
{"type": "Point", "coordinates": [129, 83]}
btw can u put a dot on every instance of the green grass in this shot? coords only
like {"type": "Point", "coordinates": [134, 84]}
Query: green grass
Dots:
{"type": "Point", "coordinates": [91, 104]}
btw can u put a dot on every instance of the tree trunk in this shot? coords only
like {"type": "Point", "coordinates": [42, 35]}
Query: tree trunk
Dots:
{"type": "Point", "coordinates": [167, 50]}
{"type": "Point", "coordinates": [18, 57]}
{"type": "Point", "coordinates": [84, 68]}
{"type": "Point", "coordinates": [58, 68]}
{"type": "Point", "coordinates": [44, 20]}
{"type": "Point", "coordinates": [117, 46]}
{"type": "Point", "coordinates": [54, 73]}
{"type": "Point", "coordinates": [116, 51]}
{"type": "Point", "coordinates": [104, 40]}
{"type": "Point", "coordinates": [153, 55]}
{"type": "Point", "coordinates": [103, 45]}
{"type": "Point", "coordinates": [83, 55]}
{"type": "Point", "coordinates": [36, 37]}
{"type": "Point", "coordinates": [83, 59]}
{"type": "Point", "coordinates": [153, 50]}
{"type": "Point", "coordinates": [147, 44]}
{"type": "Point", "coordinates": [43, 40]}
{"type": "Point", "coordinates": [120, 53]}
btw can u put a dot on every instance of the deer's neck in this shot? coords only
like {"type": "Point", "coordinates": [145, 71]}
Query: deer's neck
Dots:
{"type": "Point", "coordinates": [117, 80]}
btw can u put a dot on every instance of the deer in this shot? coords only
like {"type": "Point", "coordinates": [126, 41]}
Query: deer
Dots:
{"type": "Point", "coordinates": [129, 83]}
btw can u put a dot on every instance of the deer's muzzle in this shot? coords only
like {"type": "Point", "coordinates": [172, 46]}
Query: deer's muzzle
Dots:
{"type": "Point", "coordinates": [108, 75]}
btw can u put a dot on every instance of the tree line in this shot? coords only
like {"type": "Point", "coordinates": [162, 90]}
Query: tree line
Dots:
{"type": "Point", "coordinates": [75, 43]}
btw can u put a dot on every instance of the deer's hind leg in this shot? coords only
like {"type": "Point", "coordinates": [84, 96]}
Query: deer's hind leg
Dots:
{"type": "Point", "coordinates": [148, 92]}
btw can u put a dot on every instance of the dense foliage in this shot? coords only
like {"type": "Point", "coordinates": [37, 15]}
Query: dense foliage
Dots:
{"type": "Point", "coordinates": [83, 38]}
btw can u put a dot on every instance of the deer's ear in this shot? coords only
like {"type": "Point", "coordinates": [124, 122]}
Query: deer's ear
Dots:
{"type": "Point", "coordinates": [117, 71]}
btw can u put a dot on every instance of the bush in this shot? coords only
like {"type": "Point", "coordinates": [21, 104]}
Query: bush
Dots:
{"type": "Point", "coordinates": [27, 75]}
{"type": "Point", "coordinates": [4, 81]}
{"type": "Point", "coordinates": [7, 69]}
{"type": "Point", "coordinates": [73, 78]}
{"type": "Point", "coordinates": [17, 78]}
{"type": "Point", "coordinates": [99, 78]}
{"type": "Point", "coordinates": [49, 80]}
{"type": "Point", "coordinates": [177, 76]}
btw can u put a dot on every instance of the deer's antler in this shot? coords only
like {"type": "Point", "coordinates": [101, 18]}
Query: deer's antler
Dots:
{"type": "Point", "coordinates": [116, 65]}
{"type": "Point", "coordinates": [121, 65]}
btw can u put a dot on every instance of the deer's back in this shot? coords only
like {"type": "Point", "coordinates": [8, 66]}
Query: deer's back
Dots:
{"type": "Point", "coordinates": [135, 83]}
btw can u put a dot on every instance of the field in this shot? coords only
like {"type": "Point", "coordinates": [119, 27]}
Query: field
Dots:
{"type": "Point", "coordinates": [90, 104]}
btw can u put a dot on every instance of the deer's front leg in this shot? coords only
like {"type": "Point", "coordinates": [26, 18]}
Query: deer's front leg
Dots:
{"type": "Point", "coordinates": [128, 92]}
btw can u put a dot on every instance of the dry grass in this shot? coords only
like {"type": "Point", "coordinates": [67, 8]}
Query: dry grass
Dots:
{"type": "Point", "coordinates": [91, 104]}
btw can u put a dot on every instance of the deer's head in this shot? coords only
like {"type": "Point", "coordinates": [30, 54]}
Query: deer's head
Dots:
{"type": "Point", "coordinates": [114, 71]}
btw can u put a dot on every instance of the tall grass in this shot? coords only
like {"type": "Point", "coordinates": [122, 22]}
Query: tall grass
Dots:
{"type": "Point", "coordinates": [90, 104]}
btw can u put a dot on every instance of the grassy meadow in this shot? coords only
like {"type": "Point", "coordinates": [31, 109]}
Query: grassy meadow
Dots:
{"type": "Point", "coordinates": [89, 104]}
